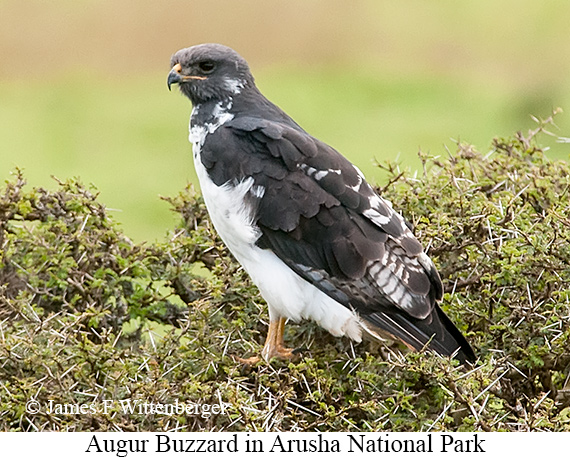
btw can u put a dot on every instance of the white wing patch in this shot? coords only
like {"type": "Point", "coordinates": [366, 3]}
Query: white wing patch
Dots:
{"type": "Point", "coordinates": [323, 173]}
{"type": "Point", "coordinates": [376, 217]}
{"type": "Point", "coordinates": [317, 174]}
{"type": "Point", "coordinates": [390, 276]}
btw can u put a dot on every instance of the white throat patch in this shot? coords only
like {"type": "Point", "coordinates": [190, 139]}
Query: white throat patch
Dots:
{"type": "Point", "coordinates": [198, 133]}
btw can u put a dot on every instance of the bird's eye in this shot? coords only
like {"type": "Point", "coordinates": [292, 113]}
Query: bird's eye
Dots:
{"type": "Point", "coordinates": [207, 66]}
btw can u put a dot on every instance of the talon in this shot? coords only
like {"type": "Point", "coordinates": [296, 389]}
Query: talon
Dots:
{"type": "Point", "coordinates": [278, 352]}
{"type": "Point", "coordinates": [274, 346]}
{"type": "Point", "coordinates": [249, 361]}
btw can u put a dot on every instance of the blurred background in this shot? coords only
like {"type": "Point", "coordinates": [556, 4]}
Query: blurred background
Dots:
{"type": "Point", "coordinates": [83, 83]}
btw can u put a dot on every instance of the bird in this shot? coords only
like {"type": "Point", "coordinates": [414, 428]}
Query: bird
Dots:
{"type": "Point", "coordinates": [315, 237]}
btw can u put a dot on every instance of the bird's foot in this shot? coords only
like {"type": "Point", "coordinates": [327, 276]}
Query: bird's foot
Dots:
{"type": "Point", "coordinates": [268, 353]}
{"type": "Point", "coordinates": [279, 352]}
{"type": "Point", "coordinates": [249, 361]}
{"type": "Point", "coordinates": [274, 346]}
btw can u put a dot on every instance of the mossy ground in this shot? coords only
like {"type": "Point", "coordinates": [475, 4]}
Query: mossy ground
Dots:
{"type": "Point", "coordinates": [89, 318]}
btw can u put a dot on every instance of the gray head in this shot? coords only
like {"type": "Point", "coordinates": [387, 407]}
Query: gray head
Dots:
{"type": "Point", "coordinates": [209, 72]}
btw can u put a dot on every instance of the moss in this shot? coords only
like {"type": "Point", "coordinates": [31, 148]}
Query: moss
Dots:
{"type": "Point", "coordinates": [89, 318]}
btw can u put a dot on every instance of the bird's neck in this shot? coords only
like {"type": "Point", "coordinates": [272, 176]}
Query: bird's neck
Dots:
{"type": "Point", "coordinates": [211, 111]}
{"type": "Point", "coordinates": [249, 102]}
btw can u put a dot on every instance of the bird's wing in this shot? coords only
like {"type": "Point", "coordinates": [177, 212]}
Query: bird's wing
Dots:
{"type": "Point", "coordinates": [317, 213]}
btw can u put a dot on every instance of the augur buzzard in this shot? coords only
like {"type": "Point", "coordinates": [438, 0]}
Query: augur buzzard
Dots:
{"type": "Point", "coordinates": [314, 236]}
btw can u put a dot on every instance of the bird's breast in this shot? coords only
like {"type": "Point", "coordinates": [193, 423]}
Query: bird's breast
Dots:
{"type": "Point", "coordinates": [230, 211]}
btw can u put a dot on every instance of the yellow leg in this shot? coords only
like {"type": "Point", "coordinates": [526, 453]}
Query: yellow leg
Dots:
{"type": "Point", "coordinates": [274, 345]}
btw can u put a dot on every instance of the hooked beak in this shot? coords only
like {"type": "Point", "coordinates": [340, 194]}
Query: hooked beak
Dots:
{"type": "Point", "coordinates": [175, 77]}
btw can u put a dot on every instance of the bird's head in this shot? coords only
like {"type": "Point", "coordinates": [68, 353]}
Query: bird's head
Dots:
{"type": "Point", "coordinates": [209, 72]}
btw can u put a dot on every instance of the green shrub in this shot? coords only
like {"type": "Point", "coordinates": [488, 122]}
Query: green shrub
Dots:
{"type": "Point", "coordinates": [89, 318]}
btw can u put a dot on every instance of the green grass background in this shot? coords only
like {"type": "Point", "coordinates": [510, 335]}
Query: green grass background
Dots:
{"type": "Point", "coordinates": [83, 84]}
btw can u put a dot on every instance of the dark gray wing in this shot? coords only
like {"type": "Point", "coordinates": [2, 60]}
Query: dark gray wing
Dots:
{"type": "Point", "coordinates": [320, 216]}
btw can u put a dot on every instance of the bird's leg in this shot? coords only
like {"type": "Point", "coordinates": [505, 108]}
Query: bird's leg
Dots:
{"type": "Point", "coordinates": [274, 345]}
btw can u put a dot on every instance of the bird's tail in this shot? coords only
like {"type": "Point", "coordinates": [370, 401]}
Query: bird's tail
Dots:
{"type": "Point", "coordinates": [435, 332]}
